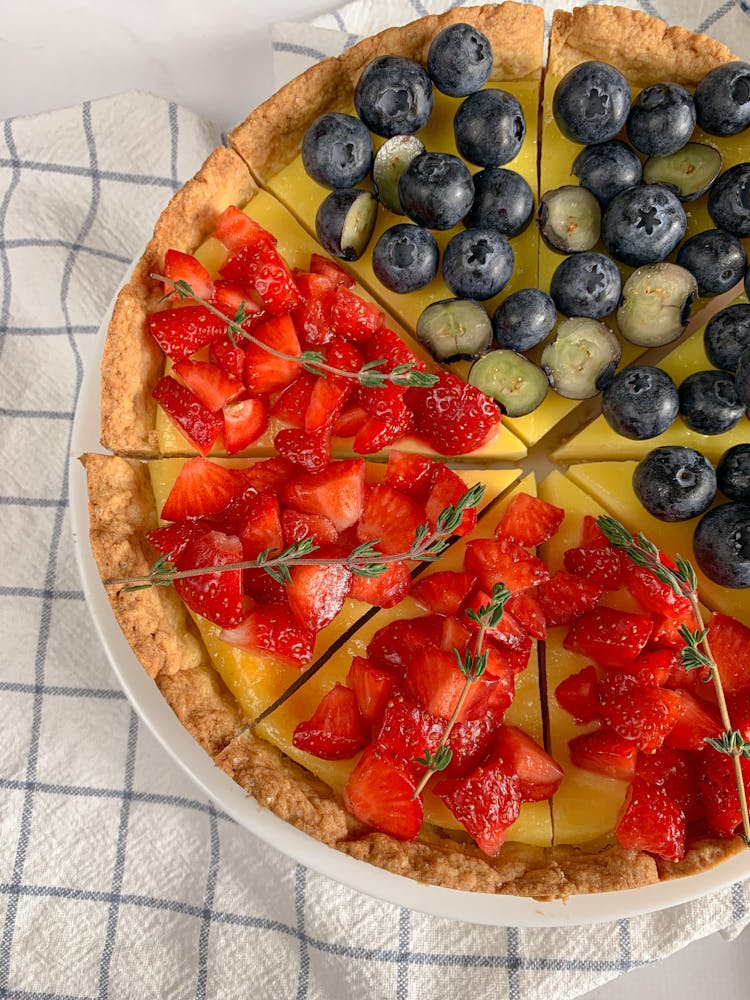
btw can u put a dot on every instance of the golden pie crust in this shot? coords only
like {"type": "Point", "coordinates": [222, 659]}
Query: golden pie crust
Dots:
{"type": "Point", "coordinates": [122, 506]}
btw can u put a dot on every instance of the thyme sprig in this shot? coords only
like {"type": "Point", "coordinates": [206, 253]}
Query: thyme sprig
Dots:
{"type": "Point", "coordinates": [696, 654]}
{"type": "Point", "coordinates": [472, 665]}
{"type": "Point", "coordinates": [407, 374]}
{"type": "Point", "coordinates": [363, 560]}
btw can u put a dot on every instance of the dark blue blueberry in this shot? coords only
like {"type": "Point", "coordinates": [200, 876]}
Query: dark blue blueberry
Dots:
{"type": "Point", "coordinates": [337, 150]}
{"type": "Point", "coordinates": [722, 544]}
{"type": "Point", "coordinates": [524, 319]}
{"type": "Point", "coordinates": [459, 60]}
{"type": "Point", "coordinates": [405, 258]}
{"type": "Point", "coordinates": [661, 119]}
{"type": "Point", "coordinates": [727, 335]}
{"type": "Point", "coordinates": [722, 99]}
{"type": "Point", "coordinates": [586, 284]}
{"type": "Point", "coordinates": [715, 258]}
{"type": "Point", "coordinates": [591, 102]}
{"type": "Point", "coordinates": [709, 403]}
{"type": "Point", "coordinates": [675, 484]}
{"type": "Point", "coordinates": [394, 96]}
{"type": "Point", "coordinates": [477, 263]}
{"type": "Point", "coordinates": [345, 221]}
{"type": "Point", "coordinates": [643, 225]}
{"type": "Point", "coordinates": [742, 379]}
{"type": "Point", "coordinates": [502, 200]}
{"type": "Point", "coordinates": [489, 128]}
{"type": "Point", "coordinates": [640, 402]}
{"type": "Point", "coordinates": [436, 190]}
{"type": "Point", "coordinates": [607, 168]}
{"type": "Point", "coordinates": [733, 472]}
{"type": "Point", "coordinates": [729, 200]}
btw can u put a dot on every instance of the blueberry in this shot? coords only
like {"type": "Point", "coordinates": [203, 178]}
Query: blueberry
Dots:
{"type": "Point", "coordinates": [727, 335]}
{"type": "Point", "coordinates": [733, 472]}
{"type": "Point", "coordinates": [582, 358]}
{"type": "Point", "coordinates": [591, 102]}
{"type": "Point", "coordinates": [643, 224]}
{"type": "Point", "coordinates": [489, 127]}
{"type": "Point", "coordinates": [689, 172]}
{"type": "Point", "coordinates": [606, 168]}
{"type": "Point", "coordinates": [675, 484]}
{"type": "Point", "coordinates": [722, 544]}
{"type": "Point", "coordinates": [459, 60]}
{"type": "Point", "coordinates": [709, 403]}
{"type": "Point", "coordinates": [337, 150]}
{"type": "Point", "coordinates": [729, 200]}
{"type": "Point", "coordinates": [661, 119]}
{"type": "Point", "coordinates": [586, 284]}
{"type": "Point", "coordinates": [345, 221]}
{"type": "Point", "coordinates": [742, 379]}
{"type": "Point", "coordinates": [477, 263]}
{"type": "Point", "coordinates": [394, 96]}
{"type": "Point", "coordinates": [717, 259]}
{"type": "Point", "coordinates": [405, 258]}
{"type": "Point", "coordinates": [436, 190]}
{"type": "Point", "coordinates": [569, 219]}
{"type": "Point", "coordinates": [502, 200]}
{"type": "Point", "coordinates": [524, 319]}
{"type": "Point", "coordinates": [640, 402]}
{"type": "Point", "coordinates": [655, 305]}
{"type": "Point", "coordinates": [722, 99]}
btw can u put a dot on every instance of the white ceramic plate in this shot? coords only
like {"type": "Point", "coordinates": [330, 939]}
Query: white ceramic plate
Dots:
{"type": "Point", "coordinates": [480, 908]}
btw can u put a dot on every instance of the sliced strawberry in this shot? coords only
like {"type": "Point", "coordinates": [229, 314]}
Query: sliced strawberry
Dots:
{"type": "Point", "coordinates": [229, 298]}
{"type": "Point", "coordinates": [331, 270]}
{"type": "Point", "coordinates": [171, 539]}
{"type": "Point", "coordinates": [182, 331]}
{"type": "Point", "coordinates": [699, 721]}
{"type": "Point", "coordinates": [317, 593]}
{"type": "Point", "coordinates": [352, 317]}
{"type": "Point", "coordinates": [529, 520]}
{"type": "Point", "coordinates": [394, 644]}
{"type": "Point", "coordinates": [265, 372]}
{"type": "Point", "coordinates": [666, 634]}
{"type": "Point", "coordinates": [380, 793]}
{"type": "Point", "coordinates": [262, 589]}
{"type": "Point", "coordinates": [180, 266]}
{"type": "Point", "coordinates": [508, 634]}
{"type": "Point", "coordinates": [652, 668]}
{"type": "Point", "coordinates": [528, 612]}
{"type": "Point", "coordinates": [232, 518]}
{"type": "Point", "coordinates": [345, 356]}
{"type": "Point", "coordinates": [269, 474]}
{"type": "Point", "coordinates": [730, 643]}
{"type": "Point", "coordinates": [235, 229]}
{"type": "Point", "coordinates": [444, 592]}
{"type": "Point", "coordinates": [539, 775]}
{"type": "Point", "coordinates": [676, 771]}
{"type": "Point", "coordinates": [453, 417]}
{"type": "Point", "coordinates": [291, 406]}
{"type": "Point", "coordinates": [386, 345]}
{"type": "Point", "coordinates": [311, 452]}
{"type": "Point", "coordinates": [210, 383]}
{"type": "Point", "coordinates": [448, 488]}
{"type": "Point", "coordinates": [202, 487]}
{"type": "Point", "coordinates": [312, 317]}
{"type": "Point", "coordinates": [262, 526]}
{"type": "Point", "coordinates": [592, 537]}
{"type": "Point", "coordinates": [738, 703]}
{"type": "Point", "coordinates": [228, 356]}
{"type": "Point", "coordinates": [376, 433]}
{"type": "Point", "coordinates": [215, 596]}
{"type": "Point", "coordinates": [600, 565]}
{"type": "Point", "coordinates": [487, 802]}
{"type": "Point", "coordinates": [262, 268]}
{"type": "Point", "coordinates": [434, 680]}
{"type": "Point", "coordinates": [326, 403]}
{"type": "Point", "coordinates": [390, 518]}
{"type": "Point", "coordinates": [454, 635]}
{"type": "Point", "coordinates": [565, 597]}
{"type": "Point", "coordinates": [651, 593]}
{"type": "Point", "coordinates": [244, 422]}
{"type": "Point", "coordinates": [350, 422]}
{"type": "Point", "coordinates": [372, 688]}
{"type": "Point", "coordinates": [604, 752]}
{"type": "Point", "coordinates": [298, 526]}
{"type": "Point", "coordinates": [577, 694]}
{"type": "Point", "coordinates": [336, 729]}
{"type": "Point", "coordinates": [650, 821]}
{"type": "Point", "coordinates": [469, 742]}
{"type": "Point", "coordinates": [503, 561]}
{"type": "Point", "coordinates": [611, 637]}
{"type": "Point", "coordinates": [273, 629]}
{"type": "Point", "coordinates": [385, 590]}
{"type": "Point", "coordinates": [718, 791]}
{"type": "Point", "coordinates": [640, 713]}
{"type": "Point", "coordinates": [411, 474]}
{"type": "Point", "coordinates": [408, 730]}
{"type": "Point", "coordinates": [192, 419]}
{"type": "Point", "coordinates": [337, 492]}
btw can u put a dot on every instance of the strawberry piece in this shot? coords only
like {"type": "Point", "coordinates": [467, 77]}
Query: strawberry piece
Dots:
{"type": "Point", "coordinates": [718, 791]}
{"type": "Point", "coordinates": [171, 539]}
{"type": "Point", "coordinates": [350, 422]}
{"type": "Point", "coordinates": [192, 419]}
{"type": "Point", "coordinates": [386, 345]}
{"type": "Point", "coordinates": [311, 452]}
{"type": "Point", "coordinates": [376, 433]}
{"type": "Point", "coordinates": [273, 629]}
{"type": "Point", "coordinates": [469, 742]}
{"type": "Point", "coordinates": [390, 518]}
{"type": "Point", "coordinates": [738, 703]}
{"type": "Point", "coordinates": [666, 634]}
{"type": "Point", "coordinates": [730, 642]}
{"type": "Point", "coordinates": [577, 695]}
{"type": "Point", "coordinates": [528, 612]}
{"type": "Point", "coordinates": [216, 596]}
{"type": "Point", "coordinates": [529, 520]}
{"type": "Point", "coordinates": [262, 589]}
{"type": "Point", "coordinates": [699, 720]}
{"type": "Point", "coordinates": [611, 637]}
{"type": "Point", "coordinates": [452, 417]}
{"type": "Point", "coordinates": [317, 593]}
{"type": "Point", "coordinates": [565, 597]}
{"type": "Point", "coordinates": [228, 356]}
{"type": "Point", "coordinates": [604, 752]}
{"type": "Point", "coordinates": [676, 772]}
{"type": "Point", "coordinates": [298, 526]}
{"type": "Point", "coordinates": [406, 729]}
{"type": "Point", "coordinates": [345, 356]}
{"type": "Point", "coordinates": [487, 802]}
{"type": "Point", "coordinates": [229, 298]}
{"type": "Point", "coordinates": [202, 487]}
{"type": "Point", "coordinates": [269, 474]}
{"type": "Point", "coordinates": [372, 688]}
{"type": "Point", "coordinates": [539, 775]}
{"type": "Point", "coordinates": [262, 268]}
{"type": "Point", "coordinates": [380, 792]}
{"type": "Point", "coordinates": [650, 821]}
{"type": "Point", "coordinates": [381, 400]}
{"type": "Point", "coordinates": [508, 634]}
{"type": "Point", "coordinates": [337, 492]}
{"type": "Point", "coordinates": [448, 488]}
{"type": "Point", "coordinates": [652, 594]}
{"type": "Point", "coordinates": [592, 537]}
{"type": "Point", "coordinates": [410, 474]}
{"type": "Point", "coordinates": [503, 561]}
{"type": "Point", "coordinates": [244, 422]}
{"type": "Point", "coordinates": [182, 331]}
{"type": "Point", "coordinates": [291, 406]}
{"type": "Point", "coordinates": [638, 712]}
{"type": "Point", "coordinates": [265, 372]}
{"type": "Point", "coordinates": [326, 403]}
{"type": "Point", "coordinates": [443, 592]}
{"type": "Point", "coordinates": [352, 317]}
{"type": "Point", "coordinates": [211, 384]}
{"type": "Point", "coordinates": [394, 644]}
{"type": "Point", "coordinates": [261, 529]}
{"type": "Point", "coordinates": [435, 682]}
{"type": "Point", "coordinates": [180, 266]}
{"type": "Point", "coordinates": [331, 270]}
{"type": "Point", "coordinates": [312, 317]}
{"type": "Point", "coordinates": [336, 729]}
{"type": "Point", "coordinates": [653, 668]}
{"type": "Point", "coordinates": [235, 229]}
{"type": "Point", "coordinates": [385, 590]}
{"type": "Point", "coordinates": [454, 635]}
{"type": "Point", "coordinates": [603, 566]}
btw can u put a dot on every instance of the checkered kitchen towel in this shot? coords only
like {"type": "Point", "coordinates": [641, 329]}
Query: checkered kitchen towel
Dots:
{"type": "Point", "coordinates": [118, 879]}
